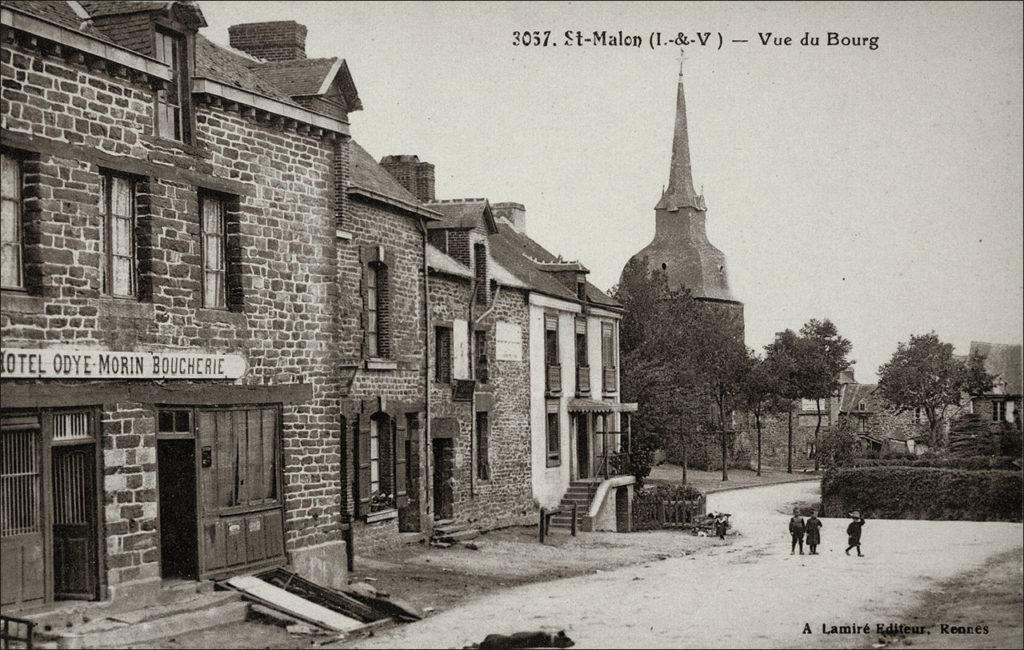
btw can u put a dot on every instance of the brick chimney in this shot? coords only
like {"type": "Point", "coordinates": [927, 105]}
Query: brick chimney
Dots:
{"type": "Point", "coordinates": [514, 213]}
{"type": "Point", "coordinates": [415, 176]}
{"type": "Point", "coordinates": [282, 40]}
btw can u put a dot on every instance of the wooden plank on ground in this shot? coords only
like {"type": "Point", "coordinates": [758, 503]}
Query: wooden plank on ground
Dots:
{"type": "Point", "coordinates": [291, 604]}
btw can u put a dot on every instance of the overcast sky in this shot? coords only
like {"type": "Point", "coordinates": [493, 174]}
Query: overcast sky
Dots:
{"type": "Point", "coordinates": [879, 188]}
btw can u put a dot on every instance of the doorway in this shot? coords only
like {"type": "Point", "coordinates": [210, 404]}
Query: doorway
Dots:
{"type": "Point", "coordinates": [444, 496]}
{"type": "Point", "coordinates": [176, 471]}
{"type": "Point", "coordinates": [75, 558]}
{"type": "Point", "coordinates": [582, 446]}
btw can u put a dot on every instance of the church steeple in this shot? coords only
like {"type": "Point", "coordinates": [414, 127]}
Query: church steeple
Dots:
{"type": "Point", "coordinates": [680, 192]}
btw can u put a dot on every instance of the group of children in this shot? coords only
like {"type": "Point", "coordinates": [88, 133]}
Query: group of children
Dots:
{"type": "Point", "coordinates": [812, 529]}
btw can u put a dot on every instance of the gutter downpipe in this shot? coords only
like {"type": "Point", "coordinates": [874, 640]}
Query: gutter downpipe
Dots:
{"type": "Point", "coordinates": [428, 483]}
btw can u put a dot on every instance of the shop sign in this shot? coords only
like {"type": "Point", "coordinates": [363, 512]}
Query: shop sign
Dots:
{"type": "Point", "coordinates": [57, 363]}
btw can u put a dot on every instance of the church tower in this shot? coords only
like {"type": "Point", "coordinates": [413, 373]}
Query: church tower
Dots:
{"type": "Point", "coordinates": [680, 247]}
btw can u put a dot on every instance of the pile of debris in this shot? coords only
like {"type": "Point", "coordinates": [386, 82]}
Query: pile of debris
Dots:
{"type": "Point", "coordinates": [711, 524]}
{"type": "Point", "coordinates": [282, 598]}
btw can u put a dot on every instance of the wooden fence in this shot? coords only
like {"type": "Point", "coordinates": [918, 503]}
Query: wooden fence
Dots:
{"type": "Point", "coordinates": [680, 513]}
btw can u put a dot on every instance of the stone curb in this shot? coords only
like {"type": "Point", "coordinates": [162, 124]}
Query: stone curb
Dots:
{"type": "Point", "coordinates": [745, 487]}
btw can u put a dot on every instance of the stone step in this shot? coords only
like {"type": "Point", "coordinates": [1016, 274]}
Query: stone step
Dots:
{"type": "Point", "coordinates": [129, 629]}
{"type": "Point", "coordinates": [459, 536]}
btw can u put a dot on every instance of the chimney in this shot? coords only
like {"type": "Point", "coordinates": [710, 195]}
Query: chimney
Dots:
{"type": "Point", "coordinates": [514, 213]}
{"type": "Point", "coordinates": [283, 40]}
{"type": "Point", "coordinates": [415, 176]}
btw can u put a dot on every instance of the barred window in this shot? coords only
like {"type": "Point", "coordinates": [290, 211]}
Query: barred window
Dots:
{"type": "Point", "coordinates": [214, 253]}
{"type": "Point", "coordinates": [11, 274]}
{"type": "Point", "coordinates": [118, 240]}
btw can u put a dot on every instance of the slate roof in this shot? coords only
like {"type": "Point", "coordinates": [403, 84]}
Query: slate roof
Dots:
{"type": "Point", "coordinates": [111, 8]}
{"type": "Point", "coordinates": [1004, 361]}
{"type": "Point", "coordinates": [524, 258]}
{"type": "Point", "coordinates": [227, 66]}
{"type": "Point", "coordinates": [854, 394]}
{"type": "Point", "coordinates": [296, 77]}
{"type": "Point", "coordinates": [460, 213]}
{"type": "Point", "coordinates": [56, 11]}
{"type": "Point", "coordinates": [369, 175]}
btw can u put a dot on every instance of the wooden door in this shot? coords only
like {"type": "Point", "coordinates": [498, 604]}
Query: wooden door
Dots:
{"type": "Point", "coordinates": [22, 531]}
{"type": "Point", "coordinates": [74, 522]}
{"type": "Point", "coordinates": [444, 496]}
{"type": "Point", "coordinates": [582, 446]}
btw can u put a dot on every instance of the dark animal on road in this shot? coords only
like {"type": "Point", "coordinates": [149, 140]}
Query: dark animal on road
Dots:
{"type": "Point", "coordinates": [521, 640]}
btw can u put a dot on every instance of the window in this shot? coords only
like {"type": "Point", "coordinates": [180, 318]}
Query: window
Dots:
{"type": "Point", "coordinates": [554, 438]}
{"type": "Point", "coordinates": [375, 281]}
{"type": "Point", "coordinates": [443, 355]}
{"type": "Point", "coordinates": [11, 272]}
{"type": "Point", "coordinates": [374, 458]}
{"type": "Point", "coordinates": [552, 368]}
{"type": "Point", "coordinates": [861, 406]}
{"type": "Point", "coordinates": [483, 469]}
{"type": "Point", "coordinates": [480, 356]}
{"type": "Point", "coordinates": [998, 411]}
{"type": "Point", "coordinates": [214, 252]}
{"type": "Point", "coordinates": [480, 272]}
{"type": "Point", "coordinates": [174, 422]}
{"type": "Point", "coordinates": [608, 358]}
{"type": "Point", "coordinates": [117, 205]}
{"type": "Point", "coordinates": [581, 343]}
{"type": "Point", "coordinates": [171, 100]}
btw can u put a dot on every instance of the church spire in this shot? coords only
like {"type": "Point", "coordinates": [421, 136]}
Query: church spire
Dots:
{"type": "Point", "coordinates": [680, 192]}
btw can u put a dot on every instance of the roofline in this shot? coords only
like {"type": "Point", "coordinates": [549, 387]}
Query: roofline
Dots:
{"type": "Point", "coordinates": [396, 203]}
{"type": "Point", "coordinates": [331, 74]}
{"type": "Point", "coordinates": [15, 18]}
{"type": "Point", "coordinates": [205, 85]}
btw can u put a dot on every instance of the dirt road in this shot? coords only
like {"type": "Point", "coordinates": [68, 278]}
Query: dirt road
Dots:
{"type": "Point", "coordinates": [751, 593]}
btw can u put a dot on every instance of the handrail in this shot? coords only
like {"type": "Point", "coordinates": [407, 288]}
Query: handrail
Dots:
{"type": "Point", "coordinates": [602, 491]}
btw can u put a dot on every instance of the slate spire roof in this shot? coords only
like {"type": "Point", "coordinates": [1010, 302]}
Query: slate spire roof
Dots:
{"type": "Point", "coordinates": [680, 192]}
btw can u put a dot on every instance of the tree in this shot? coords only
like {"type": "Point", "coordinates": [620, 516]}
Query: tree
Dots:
{"type": "Point", "coordinates": [760, 395]}
{"type": "Point", "coordinates": [925, 374]}
{"type": "Point", "coordinates": [782, 365]}
{"type": "Point", "coordinates": [677, 353]}
{"type": "Point", "coordinates": [970, 436]}
{"type": "Point", "coordinates": [669, 409]}
{"type": "Point", "coordinates": [824, 357]}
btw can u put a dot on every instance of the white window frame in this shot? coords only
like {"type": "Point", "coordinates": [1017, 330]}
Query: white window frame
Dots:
{"type": "Point", "coordinates": [12, 196]}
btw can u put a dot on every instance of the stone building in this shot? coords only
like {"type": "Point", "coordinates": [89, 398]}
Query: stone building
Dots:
{"type": "Point", "coordinates": [1001, 405]}
{"type": "Point", "coordinates": [680, 247]}
{"type": "Point", "coordinates": [170, 300]}
{"type": "Point", "coordinates": [575, 411]}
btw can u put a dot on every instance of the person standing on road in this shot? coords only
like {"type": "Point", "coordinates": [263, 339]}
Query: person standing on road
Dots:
{"type": "Point", "coordinates": [853, 530]}
{"type": "Point", "coordinates": [796, 530]}
{"type": "Point", "coordinates": [813, 527]}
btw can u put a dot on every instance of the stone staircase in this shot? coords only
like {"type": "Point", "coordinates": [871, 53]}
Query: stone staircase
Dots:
{"type": "Point", "coordinates": [580, 493]}
{"type": "Point", "coordinates": [183, 608]}
{"type": "Point", "coordinates": [448, 532]}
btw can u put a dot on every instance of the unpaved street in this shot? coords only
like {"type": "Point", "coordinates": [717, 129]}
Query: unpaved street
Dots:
{"type": "Point", "coordinates": [750, 593]}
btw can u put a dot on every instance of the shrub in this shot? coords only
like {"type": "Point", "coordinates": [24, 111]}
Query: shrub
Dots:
{"type": "Point", "coordinates": [904, 492]}
{"type": "Point", "coordinates": [947, 462]}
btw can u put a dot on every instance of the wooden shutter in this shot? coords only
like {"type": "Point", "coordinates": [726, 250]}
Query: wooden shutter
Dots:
{"type": "Point", "coordinates": [400, 433]}
{"type": "Point", "coordinates": [483, 426]}
{"type": "Point", "coordinates": [362, 447]}
{"type": "Point", "coordinates": [364, 287]}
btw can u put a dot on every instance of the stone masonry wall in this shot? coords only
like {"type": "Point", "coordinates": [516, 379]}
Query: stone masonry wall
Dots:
{"type": "Point", "coordinates": [506, 498]}
{"type": "Point", "coordinates": [373, 224]}
{"type": "Point", "coordinates": [286, 237]}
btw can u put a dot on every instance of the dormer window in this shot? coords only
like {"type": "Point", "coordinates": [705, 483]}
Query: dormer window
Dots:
{"type": "Point", "coordinates": [172, 116]}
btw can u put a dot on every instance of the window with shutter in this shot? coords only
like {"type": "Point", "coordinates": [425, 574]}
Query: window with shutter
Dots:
{"type": "Point", "coordinates": [172, 115]}
{"type": "Point", "coordinates": [443, 354]}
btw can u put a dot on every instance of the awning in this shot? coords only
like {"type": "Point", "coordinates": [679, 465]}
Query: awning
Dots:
{"type": "Point", "coordinates": [595, 406]}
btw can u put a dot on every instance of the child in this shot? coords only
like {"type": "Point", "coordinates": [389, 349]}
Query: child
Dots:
{"type": "Point", "coordinates": [853, 530]}
{"type": "Point", "coordinates": [813, 532]}
{"type": "Point", "coordinates": [796, 529]}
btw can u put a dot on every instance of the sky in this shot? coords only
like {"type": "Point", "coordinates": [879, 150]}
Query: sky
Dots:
{"type": "Point", "coordinates": [880, 188]}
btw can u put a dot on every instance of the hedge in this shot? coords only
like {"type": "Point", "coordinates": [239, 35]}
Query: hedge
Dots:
{"type": "Point", "coordinates": [645, 503]}
{"type": "Point", "coordinates": [895, 492]}
{"type": "Point", "coordinates": [951, 462]}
